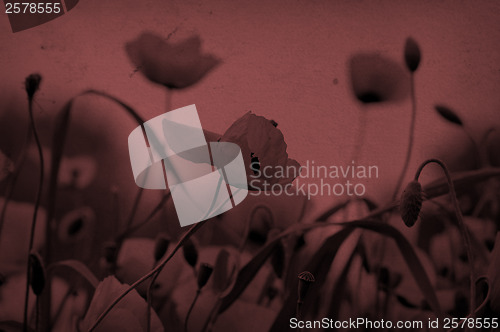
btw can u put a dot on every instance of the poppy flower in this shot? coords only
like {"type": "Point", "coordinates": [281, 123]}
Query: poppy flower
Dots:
{"type": "Point", "coordinates": [128, 315]}
{"type": "Point", "coordinates": [375, 78]}
{"type": "Point", "coordinates": [137, 257]}
{"type": "Point", "coordinates": [264, 151]}
{"type": "Point", "coordinates": [175, 66]}
{"type": "Point", "coordinates": [12, 292]}
{"type": "Point", "coordinates": [15, 234]}
{"type": "Point", "coordinates": [77, 172]}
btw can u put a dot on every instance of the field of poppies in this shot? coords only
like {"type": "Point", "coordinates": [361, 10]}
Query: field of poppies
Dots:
{"type": "Point", "coordinates": [76, 256]}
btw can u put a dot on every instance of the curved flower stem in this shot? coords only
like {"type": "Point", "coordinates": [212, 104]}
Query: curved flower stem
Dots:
{"type": "Point", "coordinates": [35, 212]}
{"type": "Point", "coordinates": [158, 268]}
{"type": "Point", "coordinates": [191, 309]}
{"type": "Point", "coordinates": [410, 138]}
{"type": "Point", "coordinates": [461, 224]}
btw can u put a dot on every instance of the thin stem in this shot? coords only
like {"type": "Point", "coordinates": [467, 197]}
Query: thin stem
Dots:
{"type": "Point", "coordinates": [191, 309]}
{"type": "Point", "coordinates": [410, 138]}
{"type": "Point", "coordinates": [134, 228]}
{"type": "Point", "coordinates": [149, 299]}
{"type": "Point", "coordinates": [159, 267]}
{"type": "Point", "coordinates": [37, 314]}
{"type": "Point", "coordinates": [35, 212]}
{"type": "Point", "coordinates": [298, 310]}
{"type": "Point", "coordinates": [461, 224]}
{"type": "Point", "coordinates": [12, 184]}
{"type": "Point", "coordinates": [133, 212]}
{"type": "Point", "coordinates": [478, 162]}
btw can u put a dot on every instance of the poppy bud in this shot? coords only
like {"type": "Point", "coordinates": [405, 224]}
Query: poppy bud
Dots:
{"type": "Point", "coordinates": [411, 203]}
{"type": "Point", "coordinates": [110, 252]}
{"type": "Point", "coordinates": [448, 114]}
{"type": "Point", "coordinates": [32, 84]}
{"type": "Point", "coordinates": [204, 275]}
{"type": "Point", "coordinates": [305, 280]}
{"type": "Point", "coordinates": [190, 253]}
{"type": "Point", "coordinates": [272, 292]}
{"type": "Point", "coordinates": [161, 246]}
{"type": "Point", "coordinates": [278, 260]}
{"type": "Point", "coordinates": [412, 54]}
{"type": "Point", "coordinates": [37, 273]}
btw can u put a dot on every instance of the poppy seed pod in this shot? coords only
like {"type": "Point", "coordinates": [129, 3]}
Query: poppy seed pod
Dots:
{"type": "Point", "coordinates": [204, 275]}
{"type": "Point", "coordinates": [37, 273]}
{"type": "Point", "coordinates": [411, 203]}
{"type": "Point", "coordinates": [161, 246]}
{"type": "Point", "coordinates": [190, 253]}
{"type": "Point", "coordinates": [412, 54]}
{"type": "Point", "coordinates": [32, 84]}
{"type": "Point", "coordinates": [305, 280]}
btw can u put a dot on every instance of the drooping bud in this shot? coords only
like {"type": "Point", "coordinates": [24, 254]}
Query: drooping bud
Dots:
{"type": "Point", "coordinates": [305, 280]}
{"type": "Point", "coordinates": [204, 274]}
{"type": "Point", "coordinates": [278, 259]}
{"type": "Point", "coordinates": [161, 246]}
{"type": "Point", "coordinates": [37, 273]}
{"type": "Point", "coordinates": [412, 54]}
{"type": "Point", "coordinates": [411, 203]}
{"type": "Point", "coordinates": [32, 84]}
{"type": "Point", "coordinates": [448, 114]}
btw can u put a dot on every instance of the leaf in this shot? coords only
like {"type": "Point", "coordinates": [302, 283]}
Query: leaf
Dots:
{"type": "Point", "coordinates": [461, 180]}
{"type": "Point", "coordinates": [278, 260]}
{"type": "Point", "coordinates": [410, 257]}
{"type": "Point", "coordinates": [331, 211]}
{"type": "Point", "coordinates": [448, 114]}
{"type": "Point", "coordinates": [319, 266]}
{"type": "Point", "coordinates": [340, 288]}
{"type": "Point", "coordinates": [247, 273]}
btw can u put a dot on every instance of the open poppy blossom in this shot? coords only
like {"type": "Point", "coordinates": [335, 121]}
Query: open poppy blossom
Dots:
{"type": "Point", "coordinates": [376, 78]}
{"type": "Point", "coordinates": [264, 151]}
{"type": "Point", "coordinates": [130, 314]}
{"type": "Point", "coordinates": [175, 66]}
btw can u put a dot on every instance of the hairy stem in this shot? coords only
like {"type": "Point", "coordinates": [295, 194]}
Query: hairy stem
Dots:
{"type": "Point", "coordinates": [35, 212]}
{"type": "Point", "coordinates": [191, 309]}
{"type": "Point", "coordinates": [158, 268]}
{"type": "Point", "coordinates": [410, 137]}
{"type": "Point", "coordinates": [461, 224]}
